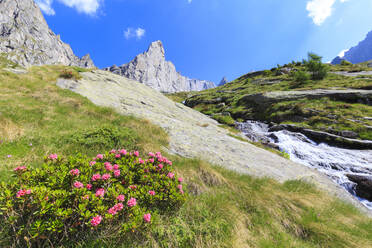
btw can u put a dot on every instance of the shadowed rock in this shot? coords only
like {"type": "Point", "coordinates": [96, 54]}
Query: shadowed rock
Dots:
{"type": "Point", "coordinates": [364, 185]}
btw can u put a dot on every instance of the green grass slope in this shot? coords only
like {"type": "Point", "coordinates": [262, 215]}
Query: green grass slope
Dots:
{"type": "Point", "coordinates": [225, 103]}
{"type": "Point", "coordinates": [223, 209]}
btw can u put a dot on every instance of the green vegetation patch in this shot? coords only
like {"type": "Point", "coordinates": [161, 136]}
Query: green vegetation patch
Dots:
{"type": "Point", "coordinates": [323, 114]}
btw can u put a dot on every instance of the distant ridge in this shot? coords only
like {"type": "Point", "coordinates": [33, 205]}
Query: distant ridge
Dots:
{"type": "Point", "coordinates": [357, 54]}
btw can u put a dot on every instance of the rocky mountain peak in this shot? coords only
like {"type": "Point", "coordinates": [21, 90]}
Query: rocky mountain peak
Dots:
{"type": "Point", "coordinates": [156, 48]}
{"type": "Point", "coordinates": [359, 53]}
{"type": "Point", "coordinates": [152, 69]}
{"type": "Point", "coordinates": [25, 37]}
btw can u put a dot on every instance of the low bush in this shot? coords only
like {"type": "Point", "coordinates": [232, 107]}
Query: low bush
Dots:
{"type": "Point", "coordinates": [103, 138]}
{"type": "Point", "coordinates": [70, 74]}
{"type": "Point", "coordinates": [301, 76]}
{"type": "Point", "coordinates": [345, 63]}
{"type": "Point", "coordinates": [67, 200]}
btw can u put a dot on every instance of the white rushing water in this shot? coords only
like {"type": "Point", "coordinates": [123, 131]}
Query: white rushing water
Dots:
{"type": "Point", "coordinates": [332, 161]}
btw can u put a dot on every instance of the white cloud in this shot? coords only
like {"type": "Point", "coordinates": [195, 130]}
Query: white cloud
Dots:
{"type": "Point", "coordinates": [134, 33]}
{"type": "Point", "coordinates": [320, 10]}
{"type": "Point", "coordinates": [89, 7]}
{"type": "Point", "coordinates": [189, 1]}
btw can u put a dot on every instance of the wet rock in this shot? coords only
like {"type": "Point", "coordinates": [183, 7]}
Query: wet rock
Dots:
{"type": "Point", "coordinates": [324, 137]}
{"type": "Point", "coordinates": [364, 185]}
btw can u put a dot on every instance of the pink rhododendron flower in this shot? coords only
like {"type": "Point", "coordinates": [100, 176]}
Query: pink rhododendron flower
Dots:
{"type": "Point", "coordinates": [180, 179]}
{"type": "Point", "coordinates": [169, 162]}
{"type": "Point", "coordinates": [182, 191]}
{"type": "Point", "coordinates": [151, 160]}
{"type": "Point", "coordinates": [151, 192]}
{"type": "Point", "coordinates": [86, 197]}
{"type": "Point", "coordinates": [120, 198]}
{"type": "Point", "coordinates": [117, 173]}
{"type": "Point", "coordinates": [141, 161]}
{"type": "Point", "coordinates": [96, 220]}
{"type": "Point", "coordinates": [123, 152]}
{"type": "Point", "coordinates": [96, 177]}
{"type": "Point", "coordinates": [78, 185]}
{"type": "Point", "coordinates": [91, 163]}
{"type": "Point", "coordinates": [119, 206]}
{"type": "Point", "coordinates": [116, 167]}
{"type": "Point", "coordinates": [136, 153]}
{"type": "Point", "coordinates": [158, 154]}
{"type": "Point", "coordinates": [151, 154]}
{"type": "Point", "coordinates": [147, 218]}
{"type": "Point", "coordinates": [89, 186]}
{"type": "Point", "coordinates": [146, 170]}
{"type": "Point", "coordinates": [112, 211]}
{"type": "Point", "coordinates": [20, 168]}
{"type": "Point", "coordinates": [117, 156]}
{"type": "Point", "coordinates": [170, 175]}
{"type": "Point", "coordinates": [133, 187]}
{"type": "Point", "coordinates": [179, 186]}
{"type": "Point", "coordinates": [100, 192]}
{"type": "Point", "coordinates": [53, 156]}
{"type": "Point", "coordinates": [106, 176]}
{"type": "Point", "coordinates": [23, 192]}
{"type": "Point", "coordinates": [108, 166]}
{"type": "Point", "coordinates": [132, 202]}
{"type": "Point", "coordinates": [99, 156]}
{"type": "Point", "coordinates": [75, 172]}
{"type": "Point", "coordinates": [113, 151]}
{"type": "Point", "coordinates": [160, 166]}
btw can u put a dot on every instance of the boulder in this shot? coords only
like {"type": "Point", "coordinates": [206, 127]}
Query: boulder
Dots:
{"type": "Point", "coordinates": [364, 185]}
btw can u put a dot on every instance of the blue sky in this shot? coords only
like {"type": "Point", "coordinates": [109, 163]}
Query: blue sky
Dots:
{"type": "Point", "coordinates": [209, 39]}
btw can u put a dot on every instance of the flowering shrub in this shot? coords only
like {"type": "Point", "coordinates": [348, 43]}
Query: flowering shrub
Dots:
{"type": "Point", "coordinates": [67, 197]}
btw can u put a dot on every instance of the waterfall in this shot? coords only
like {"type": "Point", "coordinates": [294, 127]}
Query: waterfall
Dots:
{"type": "Point", "coordinates": [335, 162]}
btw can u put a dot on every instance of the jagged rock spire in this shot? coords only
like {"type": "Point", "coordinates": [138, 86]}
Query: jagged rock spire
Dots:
{"type": "Point", "coordinates": [152, 69]}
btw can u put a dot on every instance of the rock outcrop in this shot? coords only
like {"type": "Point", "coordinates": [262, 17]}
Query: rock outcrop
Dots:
{"type": "Point", "coordinates": [151, 69]}
{"type": "Point", "coordinates": [349, 95]}
{"type": "Point", "coordinates": [358, 54]}
{"type": "Point", "coordinates": [25, 37]}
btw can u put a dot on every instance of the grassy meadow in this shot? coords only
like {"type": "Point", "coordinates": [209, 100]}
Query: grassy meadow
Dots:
{"type": "Point", "coordinates": [223, 209]}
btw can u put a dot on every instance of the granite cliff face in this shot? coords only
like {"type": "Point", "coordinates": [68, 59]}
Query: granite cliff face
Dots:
{"type": "Point", "coordinates": [25, 37]}
{"type": "Point", "coordinates": [151, 69]}
{"type": "Point", "coordinates": [358, 54]}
